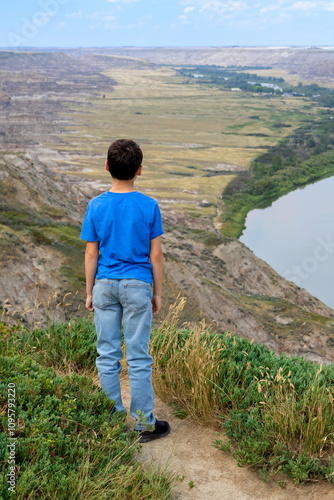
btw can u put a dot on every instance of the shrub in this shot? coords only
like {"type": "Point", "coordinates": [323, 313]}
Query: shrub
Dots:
{"type": "Point", "coordinates": [61, 345]}
{"type": "Point", "coordinates": [277, 412]}
{"type": "Point", "coordinates": [67, 446]}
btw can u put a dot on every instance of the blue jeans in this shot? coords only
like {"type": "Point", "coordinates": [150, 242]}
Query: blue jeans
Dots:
{"type": "Point", "coordinates": [130, 300]}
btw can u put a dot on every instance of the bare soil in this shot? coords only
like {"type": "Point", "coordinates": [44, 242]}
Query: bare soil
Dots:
{"type": "Point", "coordinates": [188, 452]}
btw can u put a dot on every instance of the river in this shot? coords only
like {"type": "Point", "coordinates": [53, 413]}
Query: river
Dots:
{"type": "Point", "coordinates": [295, 236]}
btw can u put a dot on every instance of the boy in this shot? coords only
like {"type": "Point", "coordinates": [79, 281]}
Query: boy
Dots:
{"type": "Point", "coordinates": [123, 228]}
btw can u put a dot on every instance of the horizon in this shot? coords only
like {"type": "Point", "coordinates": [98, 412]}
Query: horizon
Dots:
{"type": "Point", "coordinates": [74, 47]}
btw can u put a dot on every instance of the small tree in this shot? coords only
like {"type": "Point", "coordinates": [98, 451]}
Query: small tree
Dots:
{"type": "Point", "coordinates": [277, 163]}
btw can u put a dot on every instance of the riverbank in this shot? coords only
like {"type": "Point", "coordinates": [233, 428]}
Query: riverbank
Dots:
{"type": "Point", "coordinates": [294, 236]}
{"type": "Point", "coordinates": [304, 157]}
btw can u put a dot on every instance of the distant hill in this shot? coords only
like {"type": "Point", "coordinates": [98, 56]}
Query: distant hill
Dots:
{"type": "Point", "coordinates": [311, 63]}
{"type": "Point", "coordinates": [78, 62]}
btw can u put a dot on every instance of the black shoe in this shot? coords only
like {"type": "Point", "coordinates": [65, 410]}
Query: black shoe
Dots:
{"type": "Point", "coordinates": [161, 429]}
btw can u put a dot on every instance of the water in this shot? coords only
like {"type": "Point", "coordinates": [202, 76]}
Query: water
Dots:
{"type": "Point", "coordinates": [269, 85]}
{"type": "Point", "coordinates": [295, 235]}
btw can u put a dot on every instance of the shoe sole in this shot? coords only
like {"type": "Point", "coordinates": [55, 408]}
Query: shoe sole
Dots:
{"type": "Point", "coordinates": [153, 437]}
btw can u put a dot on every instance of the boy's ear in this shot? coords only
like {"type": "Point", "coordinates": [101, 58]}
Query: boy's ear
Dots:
{"type": "Point", "coordinates": [139, 170]}
{"type": "Point", "coordinates": [107, 166]}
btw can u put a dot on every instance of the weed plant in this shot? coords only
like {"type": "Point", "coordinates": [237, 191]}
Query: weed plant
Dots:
{"type": "Point", "coordinates": [63, 346]}
{"type": "Point", "coordinates": [277, 412]}
{"type": "Point", "coordinates": [67, 446]}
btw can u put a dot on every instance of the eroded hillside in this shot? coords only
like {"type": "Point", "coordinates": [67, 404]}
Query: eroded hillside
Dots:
{"type": "Point", "coordinates": [52, 145]}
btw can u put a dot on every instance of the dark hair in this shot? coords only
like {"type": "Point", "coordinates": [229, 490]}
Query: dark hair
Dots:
{"type": "Point", "coordinates": [124, 159]}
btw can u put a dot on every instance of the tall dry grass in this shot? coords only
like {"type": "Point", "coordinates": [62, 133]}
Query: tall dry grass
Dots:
{"type": "Point", "coordinates": [190, 376]}
{"type": "Point", "coordinates": [277, 411]}
{"type": "Point", "coordinates": [52, 308]}
{"type": "Point", "coordinates": [305, 421]}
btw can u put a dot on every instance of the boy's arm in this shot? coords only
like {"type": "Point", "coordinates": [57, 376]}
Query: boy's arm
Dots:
{"type": "Point", "coordinates": [91, 258]}
{"type": "Point", "coordinates": [157, 259]}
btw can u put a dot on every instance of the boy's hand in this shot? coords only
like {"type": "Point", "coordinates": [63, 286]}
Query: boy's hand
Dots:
{"type": "Point", "coordinates": [156, 304]}
{"type": "Point", "coordinates": [89, 304]}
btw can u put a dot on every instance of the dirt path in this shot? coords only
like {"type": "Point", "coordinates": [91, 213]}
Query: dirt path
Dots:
{"type": "Point", "coordinates": [188, 451]}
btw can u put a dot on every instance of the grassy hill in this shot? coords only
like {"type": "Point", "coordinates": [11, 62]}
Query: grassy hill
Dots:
{"type": "Point", "coordinates": [66, 446]}
{"type": "Point", "coordinates": [277, 413]}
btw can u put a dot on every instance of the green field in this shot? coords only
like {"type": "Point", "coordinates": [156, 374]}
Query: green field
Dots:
{"type": "Point", "coordinates": [183, 130]}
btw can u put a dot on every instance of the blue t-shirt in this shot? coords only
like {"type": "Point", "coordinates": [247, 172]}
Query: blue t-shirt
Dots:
{"type": "Point", "coordinates": [123, 224]}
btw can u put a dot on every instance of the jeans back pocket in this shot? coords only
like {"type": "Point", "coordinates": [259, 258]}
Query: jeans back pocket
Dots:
{"type": "Point", "coordinates": [137, 295]}
{"type": "Point", "coordinates": [102, 296]}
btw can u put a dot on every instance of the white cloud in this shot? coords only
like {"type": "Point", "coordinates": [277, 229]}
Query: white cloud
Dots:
{"type": "Point", "coordinates": [255, 14]}
{"type": "Point", "coordinates": [75, 15]}
{"type": "Point", "coordinates": [111, 26]}
{"type": "Point", "coordinates": [141, 22]}
{"type": "Point", "coordinates": [189, 9]}
{"type": "Point", "coordinates": [94, 15]}
{"type": "Point", "coordinates": [305, 5]}
{"type": "Point", "coordinates": [269, 8]}
{"type": "Point", "coordinates": [50, 14]}
{"type": "Point", "coordinates": [329, 6]}
{"type": "Point", "coordinates": [187, 12]}
{"type": "Point", "coordinates": [287, 7]}
{"type": "Point", "coordinates": [222, 8]}
{"type": "Point", "coordinates": [42, 18]}
{"type": "Point", "coordinates": [121, 1]}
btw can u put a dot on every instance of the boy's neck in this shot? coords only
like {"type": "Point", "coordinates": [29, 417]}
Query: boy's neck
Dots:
{"type": "Point", "coordinates": [119, 186]}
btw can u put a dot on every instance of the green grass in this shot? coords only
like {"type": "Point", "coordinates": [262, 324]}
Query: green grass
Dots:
{"type": "Point", "coordinates": [60, 345]}
{"type": "Point", "coordinates": [277, 412]}
{"type": "Point", "coordinates": [67, 447]}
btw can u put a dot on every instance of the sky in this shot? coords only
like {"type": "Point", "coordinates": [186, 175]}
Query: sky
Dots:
{"type": "Point", "coordinates": [154, 23]}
